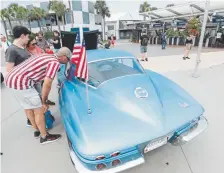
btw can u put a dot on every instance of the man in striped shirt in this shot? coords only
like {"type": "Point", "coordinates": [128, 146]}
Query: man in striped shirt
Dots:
{"type": "Point", "coordinates": [22, 79]}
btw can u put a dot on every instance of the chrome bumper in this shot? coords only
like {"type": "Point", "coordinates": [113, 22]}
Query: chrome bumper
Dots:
{"type": "Point", "coordinates": [191, 133]}
{"type": "Point", "coordinates": [82, 169]}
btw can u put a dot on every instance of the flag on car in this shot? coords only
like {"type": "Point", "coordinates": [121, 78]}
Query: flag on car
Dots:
{"type": "Point", "coordinates": [79, 58]}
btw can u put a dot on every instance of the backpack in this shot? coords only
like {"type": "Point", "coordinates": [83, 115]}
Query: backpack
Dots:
{"type": "Point", "coordinates": [144, 41]}
{"type": "Point", "coordinates": [49, 120]}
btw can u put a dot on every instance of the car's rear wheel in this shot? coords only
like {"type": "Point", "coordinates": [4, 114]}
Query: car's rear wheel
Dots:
{"type": "Point", "coordinates": [70, 148]}
{"type": "Point", "coordinates": [2, 78]}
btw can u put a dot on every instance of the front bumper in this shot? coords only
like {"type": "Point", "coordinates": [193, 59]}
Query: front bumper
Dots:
{"type": "Point", "coordinates": [82, 169]}
{"type": "Point", "coordinates": [190, 133]}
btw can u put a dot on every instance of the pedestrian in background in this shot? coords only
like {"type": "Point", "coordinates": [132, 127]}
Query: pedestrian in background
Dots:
{"type": "Point", "coordinates": [56, 41]}
{"type": "Point", "coordinates": [188, 43]}
{"type": "Point", "coordinates": [41, 42]}
{"type": "Point", "coordinates": [5, 43]}
{"type": "Point", "coordinates": [143, 47]}
{"type": "Point", "coordinates": [163, 40]}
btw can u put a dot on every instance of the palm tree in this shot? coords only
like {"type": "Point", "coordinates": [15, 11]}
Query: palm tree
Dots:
{"type": "Point", "coordinates": [103, 10]}
{"type": "Point", "coordinates": [5, 14]}
{"type": "Point", "coordinates": [18, 12]}
{"type": "Point", "coordinates": [145, 7]}
{"type": "Point", "coordinates": [36, 14]}
{"type": "Point", "coordinates": [3, 20]}
{"type": "Point", "coordinates": [59, 8]}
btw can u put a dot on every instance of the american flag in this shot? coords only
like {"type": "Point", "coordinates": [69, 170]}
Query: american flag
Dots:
{"type": "Point", "coordinates": [79, 59]}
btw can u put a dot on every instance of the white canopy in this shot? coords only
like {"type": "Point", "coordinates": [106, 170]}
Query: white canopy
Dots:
{"type": "Point", "coordinates": [184, 11]}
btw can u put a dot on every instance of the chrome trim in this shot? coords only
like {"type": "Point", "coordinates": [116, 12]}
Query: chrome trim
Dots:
{"type": "Point", "coordinates": [122, 57]}
{"type": "Point", "coordinates": [82, 169]}
{"type": "Point", "coordinates": [191, 133]}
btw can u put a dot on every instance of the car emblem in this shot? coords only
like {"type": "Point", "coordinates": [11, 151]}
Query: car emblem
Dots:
{"type": "Point", "coordinates": [184, 105]}
{"type": "Point", "coordinates": [141, 93]}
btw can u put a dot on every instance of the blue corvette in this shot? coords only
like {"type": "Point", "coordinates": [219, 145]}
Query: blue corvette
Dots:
{"type": "Point", "coordinates": [133, 111]}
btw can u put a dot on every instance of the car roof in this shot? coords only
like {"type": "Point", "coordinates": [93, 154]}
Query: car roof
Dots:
{"type": "Point", "coordinates": [103, 54]}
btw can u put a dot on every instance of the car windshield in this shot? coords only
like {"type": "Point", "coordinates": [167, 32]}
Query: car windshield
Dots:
{"type": "Point", "coordinates": [100, 71]}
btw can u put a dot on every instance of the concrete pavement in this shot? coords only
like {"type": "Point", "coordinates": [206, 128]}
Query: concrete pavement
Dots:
{"type": "Point", "coordinates": [24, 154]}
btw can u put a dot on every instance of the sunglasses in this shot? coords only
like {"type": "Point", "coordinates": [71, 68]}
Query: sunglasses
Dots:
{"type": "Point", "coordinates": [34, 44]}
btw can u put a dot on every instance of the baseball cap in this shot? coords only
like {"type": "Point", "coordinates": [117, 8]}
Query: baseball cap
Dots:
{"type": "Point", "coordinates": [64, 51]}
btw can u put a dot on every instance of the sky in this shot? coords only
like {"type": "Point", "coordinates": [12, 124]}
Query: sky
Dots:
{"type": "Point", "coordinates": [115, 6]}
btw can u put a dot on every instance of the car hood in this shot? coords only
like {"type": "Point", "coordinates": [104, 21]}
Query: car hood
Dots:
{"type": "Point", "coordinates": [119, 120]}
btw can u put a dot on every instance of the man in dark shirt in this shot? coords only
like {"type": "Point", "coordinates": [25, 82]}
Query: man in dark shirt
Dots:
{"type": "Point", "coordinates": [143, 47]}
{"type": "Point", "coordinates": [17, 53]}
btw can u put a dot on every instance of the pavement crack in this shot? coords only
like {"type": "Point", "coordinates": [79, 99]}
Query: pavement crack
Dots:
{"type": "Point", "coordinates": [10, 116]}
{"type": "Point", "coordinates": [186, 159]}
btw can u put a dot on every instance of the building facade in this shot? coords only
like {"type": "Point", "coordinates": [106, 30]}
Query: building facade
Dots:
{"type": "Point", "coordinates": [83, 16]}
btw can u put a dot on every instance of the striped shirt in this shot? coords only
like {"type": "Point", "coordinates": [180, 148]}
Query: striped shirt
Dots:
{"type": "Point", "coordinates": [32, 71]}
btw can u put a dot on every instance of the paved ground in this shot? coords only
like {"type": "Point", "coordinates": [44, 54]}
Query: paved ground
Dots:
{"type": "Point", "coordinates": [24, 154]}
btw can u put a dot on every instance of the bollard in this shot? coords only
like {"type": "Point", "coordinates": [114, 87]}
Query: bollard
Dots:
{"type": "Point", "coordinates": [194, 41]}
{"type": "Point", "coordinates": [206, 43]}
{"type": "Point", "coordinates": [178, 40]}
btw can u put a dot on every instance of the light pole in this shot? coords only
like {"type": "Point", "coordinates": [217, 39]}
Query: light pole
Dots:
{"type": "Point", "coordinates": [195, 74]}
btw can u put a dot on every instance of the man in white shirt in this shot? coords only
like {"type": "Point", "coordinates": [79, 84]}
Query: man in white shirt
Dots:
{"type": "Point", "coordinates": [5, 43]}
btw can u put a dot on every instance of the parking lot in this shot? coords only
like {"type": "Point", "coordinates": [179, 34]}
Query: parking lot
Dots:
{"type": "Point", "coordinates": [23, 154]}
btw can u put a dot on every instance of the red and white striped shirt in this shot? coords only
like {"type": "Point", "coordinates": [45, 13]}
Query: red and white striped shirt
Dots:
{"type": "Point", "coordinates": [31, 71]}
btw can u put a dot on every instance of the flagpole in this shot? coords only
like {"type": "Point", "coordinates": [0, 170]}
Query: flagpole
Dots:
{"type": "Point", "coordinates": [87, 97]}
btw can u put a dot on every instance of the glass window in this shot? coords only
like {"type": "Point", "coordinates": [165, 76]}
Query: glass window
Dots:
{"type": "Point", "coordinates": [77, 5]}
{"type": "Point", "coordinates": [44, 6]}
{"type": "Point", "coordinates": [85, 17]}
{"type": "Point", "coordinates": [29, 7]}
{"type": "Point", "coordinates": [110, 27]}
{"type": "Point", "coordinates": [104, 70]}
{"type": "Point", "coordinates": [91, 7]}
{"type": "Point", "coordinates": [68, 17]}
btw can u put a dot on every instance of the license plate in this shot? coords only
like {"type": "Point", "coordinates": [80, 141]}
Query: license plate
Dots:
{"type": "Point", "coordinates": [155, 144]}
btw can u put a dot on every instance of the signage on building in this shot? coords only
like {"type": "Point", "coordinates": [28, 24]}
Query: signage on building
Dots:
{"type": "Point", "coordinates": [157, 25]}
{"type": "Point", "coordinates": [217, 19]}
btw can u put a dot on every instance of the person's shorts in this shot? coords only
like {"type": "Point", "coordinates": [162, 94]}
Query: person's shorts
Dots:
{"type": "Point", "coordinates": [143, 49]}
{"type": "Point", "coordinates": [188, 46]}
{"type": "Point", "coordinates": [28, 98]}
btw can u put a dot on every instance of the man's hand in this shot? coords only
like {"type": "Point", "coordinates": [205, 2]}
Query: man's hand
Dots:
{"type": "Point", "coordinates": [46, 89]}
{"type": "Point", "coordinates": [45, 107]}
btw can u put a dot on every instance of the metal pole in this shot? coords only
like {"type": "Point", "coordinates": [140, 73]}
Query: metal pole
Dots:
{"type": "Point", "coordinates": [87, 97]}
{"type": "Point", "coordinates": [201, 40]}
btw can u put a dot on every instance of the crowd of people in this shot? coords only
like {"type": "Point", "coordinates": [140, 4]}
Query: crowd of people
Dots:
{"type": "Point", "coordinates": [31, 67]}
{"type": "Point", "coordinates": [144, 39]}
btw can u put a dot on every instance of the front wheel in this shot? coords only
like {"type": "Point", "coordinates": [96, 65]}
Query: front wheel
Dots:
{"type": "Point", "coordinates": [2, 78]}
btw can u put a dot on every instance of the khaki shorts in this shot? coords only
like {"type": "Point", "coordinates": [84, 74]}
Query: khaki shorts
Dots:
{"type": "Point", "coordinates": [29, 98]}
{"type": "Point", "coordinates": [188, 46]}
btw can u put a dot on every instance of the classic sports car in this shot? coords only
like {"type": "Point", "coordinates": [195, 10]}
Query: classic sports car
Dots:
{"type": "Point", "coordinates": [133, 111]}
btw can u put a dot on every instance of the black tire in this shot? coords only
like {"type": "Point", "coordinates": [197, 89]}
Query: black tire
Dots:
{"type": "Point", "coordinates": [2, 78]}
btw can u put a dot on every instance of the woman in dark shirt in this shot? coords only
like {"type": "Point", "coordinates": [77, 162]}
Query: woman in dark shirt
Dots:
{"type": "Point", "coordinates": [189, 42]}
{"type": "Point", "coordinates": [56, 41]}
